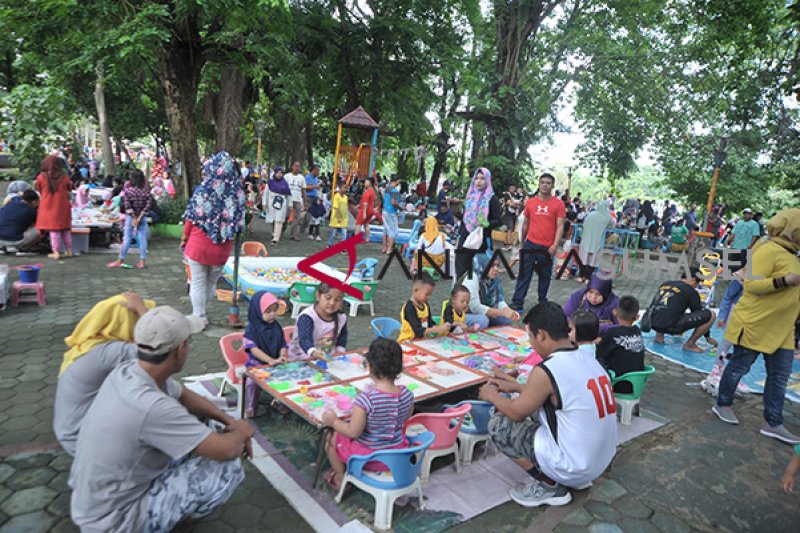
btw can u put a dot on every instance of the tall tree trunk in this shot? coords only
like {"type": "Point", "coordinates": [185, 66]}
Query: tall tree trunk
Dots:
{"type": "Point", "coordinates": [181, 64]}
{"type": "Point", "coordinates": [350, 83]}
{"type": "Point", "coordinates": [309, 130]}
{"type": "Point", "coordinates": [229, 110]}
{"type": "Point", "coordinates": [8, 70]}
{"type": "Point", "coordinates": [102, 119]}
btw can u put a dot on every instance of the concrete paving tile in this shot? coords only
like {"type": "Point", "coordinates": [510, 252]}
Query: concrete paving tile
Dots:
{"type": "Point", "coordinates": [602, 511]}
{"type": "Point", "coordinates": [6, 470]}
{"type": "Point", "coordinates": [669, 523]}
{"type": "Point", "coordinates": [579, 517]}
{"type": "Point", "coordinates": [5, 492]}
{"type": "Point", "coordinates": [569, 528]}
{"type": "Point", "coordinates": [607, 491]}
{"type": "Point", "coordinates": [28, 500]}
{"type": "Point", "coordinates": [29, 460]}
{"type": "Point", "coordinates": [3, 519]}
{"type": "Point", "coordinates": [636, 525]}
{"type": "Point", "coordinates": [60, 505]}
{"type": "Point", "coordinates": [242, 515]}
{"type": "Point", "coordinates": [632, 507]}
{"type": "Point", "coordinates": [59, 482]}
{"type": "Point", "coordinates": [604, 527]}
{"type": "Point", "coordinates": [65, 525]}
{"type": "Point", "coordinates": [37, 522]}
{"type": "Point", "coordinates": [30, 477]}
{"type": "Point", "coordinates": [61, 462]}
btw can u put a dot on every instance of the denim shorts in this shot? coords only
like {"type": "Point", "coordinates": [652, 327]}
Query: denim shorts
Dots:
{"type": "Point", "coordinates": [514, 439]}
{"type": "Point", "coordinates": [390, 225]}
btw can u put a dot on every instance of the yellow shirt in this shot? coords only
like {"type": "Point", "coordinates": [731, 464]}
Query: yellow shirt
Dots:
{"type": "Point", "coordinates": [414, 321]}
{"type": "Point", "coordinates": [338, 211]}
{"type": "Point", "coordinates": [763, 319]}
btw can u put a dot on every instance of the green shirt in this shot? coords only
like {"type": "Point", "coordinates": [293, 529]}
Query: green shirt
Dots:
{"type": "Point", "coordinates": [679, 234]}
{"type": "Point", "coordinates": [743, 233]}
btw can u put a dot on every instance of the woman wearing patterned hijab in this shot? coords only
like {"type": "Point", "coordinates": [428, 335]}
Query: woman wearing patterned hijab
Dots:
{"type": "Point", "coordinates": [481, 208]}
{"type": "Point", "coordinates": [213, 217]}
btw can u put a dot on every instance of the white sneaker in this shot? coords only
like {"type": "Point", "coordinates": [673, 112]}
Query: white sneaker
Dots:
{"type": "Point", "coordinates": [318, 239]}
{"type": "Point", "coordinates": [536, 493]}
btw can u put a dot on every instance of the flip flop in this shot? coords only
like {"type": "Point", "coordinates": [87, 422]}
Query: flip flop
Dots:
{"type": "Point", "coordinates": [113, 264]}
{"type": "Point", "coordinates": [140, 266]}
{"type": "Point", "coordinates": [125, 265]}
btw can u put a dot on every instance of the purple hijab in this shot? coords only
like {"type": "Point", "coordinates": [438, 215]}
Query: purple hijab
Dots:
{"type": "Point", "coordinates": [279, 186]}
{"type": "Point", "coordinates": [603, 311]}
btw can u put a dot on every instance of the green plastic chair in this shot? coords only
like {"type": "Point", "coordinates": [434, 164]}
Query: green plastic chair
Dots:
{"type": "Point", "coordinates": [630, 402]}
{"type": "Point", "coordinates": [441, 316]}
{"type": "Point", "coordinates": [302, 295]}
{"type": "Point", "coordinates": [368, 288]}
{"type": "Point", "coordinates": [432, 273]}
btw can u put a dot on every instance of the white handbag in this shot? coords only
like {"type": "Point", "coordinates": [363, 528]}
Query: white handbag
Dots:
{"type": "Point", "coordinates": [475, 239]}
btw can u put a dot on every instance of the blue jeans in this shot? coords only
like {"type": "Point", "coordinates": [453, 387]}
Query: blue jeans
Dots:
{"type": "Point", "coordinates": [334, 231]}
{"type": "Point", "coordinates": [779, 367]}
{"type": "Point", "coordinates": [532, 258]}
{"type": "Point", "coordinates": [141, 238]}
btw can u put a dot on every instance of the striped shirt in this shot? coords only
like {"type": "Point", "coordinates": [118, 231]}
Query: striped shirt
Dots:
{"type": "Point", "coordinates": [386, 414]}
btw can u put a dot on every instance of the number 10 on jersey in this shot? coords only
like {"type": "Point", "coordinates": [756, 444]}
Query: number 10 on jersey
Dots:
{"type": "Point", "coordinates": [603, 395]}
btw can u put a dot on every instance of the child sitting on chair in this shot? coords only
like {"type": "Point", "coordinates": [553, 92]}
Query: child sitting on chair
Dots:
{"type": "Point", "coordinates": [456, 309]}
{"type": "Point", "coordinates": [263, 340]}
{"type": "Point", "coordinates": [415, 317]}
{"type": "Point", "coordinates": [622, 348]}
{"type": "Point", "coordinates": [378, 415]}
{"type": "Point", "coordinates": [321, 329]}
{"type": "Point", "coordinates": [584, 330]}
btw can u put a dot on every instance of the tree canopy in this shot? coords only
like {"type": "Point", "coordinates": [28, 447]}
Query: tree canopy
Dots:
{"type": "Point", "coordinates": [454, 84]}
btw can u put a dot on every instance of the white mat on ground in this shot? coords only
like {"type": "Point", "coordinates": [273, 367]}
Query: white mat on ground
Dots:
{"type": "Point", "coordinates": [639, 426]}
{"type": "Point", "coordinates": [480, 486]}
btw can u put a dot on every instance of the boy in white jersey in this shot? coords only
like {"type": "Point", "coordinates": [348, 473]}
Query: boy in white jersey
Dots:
{"type": "Point", "coordinates": [562, 427]}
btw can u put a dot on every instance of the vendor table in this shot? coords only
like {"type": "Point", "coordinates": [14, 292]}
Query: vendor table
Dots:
{"type": "Point", "coordinates": [431, 368]}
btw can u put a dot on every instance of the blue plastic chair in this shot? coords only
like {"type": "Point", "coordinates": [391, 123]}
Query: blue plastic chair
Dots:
{"type": "Point", "coordinates": [385, 327]}
{"type": "Point", "coordinates": [475, 428]}
{"type": "Point", "coordinates": [404, 466]}
{"type": "Point", "coordinates": [365, 269]}
{"type": "Point", "coordinates": [413, 240]}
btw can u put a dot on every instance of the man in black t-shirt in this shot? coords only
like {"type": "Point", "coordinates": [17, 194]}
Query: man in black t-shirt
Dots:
{"type": "Point", "coordinates": [512, 203]}
{"type": "Point", "coordinates": [622, 348]}
{"type": "Point", "coordinates": [669, 311]}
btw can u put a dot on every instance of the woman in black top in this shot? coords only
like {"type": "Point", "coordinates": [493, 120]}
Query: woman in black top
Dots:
{"type": "Point", "coordinates": [481, 208]}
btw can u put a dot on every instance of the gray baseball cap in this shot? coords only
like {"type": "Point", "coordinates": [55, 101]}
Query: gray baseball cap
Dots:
{"type": "Point", "coordinates": [162, 329]}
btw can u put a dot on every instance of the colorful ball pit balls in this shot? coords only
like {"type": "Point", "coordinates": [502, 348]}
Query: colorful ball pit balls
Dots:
{"type": "Point", "coordinates": [282, 275]}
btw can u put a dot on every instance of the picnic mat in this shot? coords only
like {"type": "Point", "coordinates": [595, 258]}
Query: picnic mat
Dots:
{"type": "Point", "coordinates": [704, 362]}
{"type": "Point", "coordinates": [450, 497]}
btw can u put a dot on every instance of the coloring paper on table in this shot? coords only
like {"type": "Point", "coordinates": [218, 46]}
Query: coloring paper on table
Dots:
{"type": "Point", "coordinates": [348, 366]}
{"type": "Point", "coordinates": [511, 333]}
{"type": "Point", "coordinates": [338, 398]}
{"type": "Point", "coordinates": [487, 362]}
{"type": "Point", "coordinates": [516, 349]}
{"type": "Point", "coordinates": [445, 374]}
{"type": "Point", "coordinates": [447, 346]}
{"type": "Point", "coordinates": [414, 356]}
{"type": "Point", "coordinates": [414, 385]}
{"type": "Point", "coordinates": [291, 377]}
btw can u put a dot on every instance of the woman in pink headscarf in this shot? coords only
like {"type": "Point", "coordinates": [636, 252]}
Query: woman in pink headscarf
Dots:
{"type": "Point", "coordinates": [481, 209]}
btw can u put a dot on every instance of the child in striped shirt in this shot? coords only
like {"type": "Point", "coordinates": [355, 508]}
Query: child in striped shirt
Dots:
{"type": "Point", "coordinates": [378, 415]}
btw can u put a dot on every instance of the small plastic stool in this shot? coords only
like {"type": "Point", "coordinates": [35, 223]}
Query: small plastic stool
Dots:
{"type": "Point", "coordinates": [18, 297]}
{"type": "Point", "coordinates": [80, 240]}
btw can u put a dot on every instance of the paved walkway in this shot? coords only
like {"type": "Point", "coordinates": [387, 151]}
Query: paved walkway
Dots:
{"type": "Point", "coordinates": [694, 473]}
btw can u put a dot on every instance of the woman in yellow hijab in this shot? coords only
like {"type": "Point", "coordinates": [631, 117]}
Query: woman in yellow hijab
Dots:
{"type": "Point", "coordinates": [433, 242]}
{"type": "Point", "coordinates": [112, 319]}
{"type": "Point", "coordinates": [763, 322]}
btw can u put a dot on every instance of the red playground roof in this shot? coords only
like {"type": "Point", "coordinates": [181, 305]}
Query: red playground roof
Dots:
{"type": "Point", "coordinates": [358, 118]}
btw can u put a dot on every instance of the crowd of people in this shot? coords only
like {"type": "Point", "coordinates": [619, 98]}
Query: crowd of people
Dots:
{"type": "Point", "coordinates": [555, 417]}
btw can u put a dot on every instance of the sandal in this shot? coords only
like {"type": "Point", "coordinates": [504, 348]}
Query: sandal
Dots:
{"type": "Point", "coordinates": [140, 265]}
{"type": "Point", "coordinates": [115, 264]}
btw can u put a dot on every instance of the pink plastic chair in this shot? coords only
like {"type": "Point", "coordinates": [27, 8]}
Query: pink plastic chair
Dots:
{"type": "Point", "coordinates": [232, 347]}
{"type": "Point", "coordinates": [445, 426]}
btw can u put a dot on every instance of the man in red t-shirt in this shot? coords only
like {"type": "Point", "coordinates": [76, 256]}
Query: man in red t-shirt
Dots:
{"type": "Point", "coordinates": [543, 227]}
{"type": "Point", "coordinates": [366, 209]}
